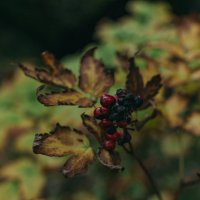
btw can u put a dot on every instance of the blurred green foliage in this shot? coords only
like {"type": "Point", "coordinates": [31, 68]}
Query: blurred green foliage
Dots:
{"type": "Point", "coordinates": [161, 145]}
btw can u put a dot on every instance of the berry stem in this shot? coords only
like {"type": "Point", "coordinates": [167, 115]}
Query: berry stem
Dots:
{"type": "Point", "coordinates": [132, 153]}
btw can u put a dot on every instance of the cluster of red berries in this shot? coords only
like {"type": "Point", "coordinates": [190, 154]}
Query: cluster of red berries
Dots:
{"type": "Point", "coordinates": [115, 113]}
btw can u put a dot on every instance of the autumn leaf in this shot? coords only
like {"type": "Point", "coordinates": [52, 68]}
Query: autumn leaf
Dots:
{"type": "Point", "coordinates": [152, 87]}
{"type": "Point", "coordinates": [78, 164]}
{"type": "Point", "coordinates": [93, 77]}
{"type": "Point", "coordinates": [193, 123]}
{"type": "Point", "coordinates": [91, 124]}
{"type": "Point", "coordinates": [53, 74]}
{"type": "Point", "coordinates": [109, 159]}
{"type": "Point", "coordinates": [134, 81]}
{"type": "Point", "coordinates": [65, 97]}
{"type": "Point", "coordinates": [64, 141]}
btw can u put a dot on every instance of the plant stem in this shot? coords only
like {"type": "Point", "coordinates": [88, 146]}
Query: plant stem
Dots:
{"type": "Point", "coordinates": [132, 153]}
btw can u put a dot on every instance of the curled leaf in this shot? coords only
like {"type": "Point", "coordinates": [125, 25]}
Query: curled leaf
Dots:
{"type": "Point", "coordinates": [91, 124]}
{"type": "Point", "coordinates": [109, 159]}
{"type": "Point", "coordinates": [53, 74]}
{"type": "Point", "coordinates": [63, 141]}
{"type": "Point", "coordinates": [64, 97]}
{"type": "Point", "coordinates": [93, 77]}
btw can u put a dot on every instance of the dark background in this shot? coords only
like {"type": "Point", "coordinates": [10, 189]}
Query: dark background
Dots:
{"type": "Point", "coordinates": [63, 27]}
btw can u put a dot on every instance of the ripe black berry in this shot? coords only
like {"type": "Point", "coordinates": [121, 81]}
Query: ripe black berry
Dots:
{"type": "Point", "coordinates": [138, 101]}
{"type": "Point", "coordinates": [111, 129]}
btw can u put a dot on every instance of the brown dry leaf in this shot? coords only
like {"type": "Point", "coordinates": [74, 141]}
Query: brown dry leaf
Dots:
{"type": "Point", "coordinates": [152, 87]}
{"type": "Point", "coordinates": [91, 124]}
{"type": "Point", "coordinates": [109, 159]}
{"type": "Point", "coordinates": [66, 97]}
{"type": "Point", "coordinates": [134, 80]}
{"type": "Point", "coordinates": [173, 108]}
{"type": "Point", "coordinates": [63, 141]}
{"type": "Point", "coordinates": [193, 123]}
{"type": "Point", "coordinates": [53, 74]}
{"type": "Point", "coordinates": [93, 77]}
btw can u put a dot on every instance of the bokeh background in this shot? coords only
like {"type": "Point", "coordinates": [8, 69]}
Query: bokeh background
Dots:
{"type": "Point", "coordinates": [66, 28]}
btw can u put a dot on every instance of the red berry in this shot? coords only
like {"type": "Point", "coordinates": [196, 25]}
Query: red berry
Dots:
{"type": "Point", "coordinates": [100, 112]}
{"type": "Point", "coordinates": [105, 123]}
{"type": "Point", "coordinates": [107, 100]}
{"type": "Point", "coordinates": [118, 134]}
{"type": "Point", "coordinates": [111, 137]}
{"type": "Point", "coordinates": [122, 124]}
{"type": "Point", "coordinates": [109, 145]}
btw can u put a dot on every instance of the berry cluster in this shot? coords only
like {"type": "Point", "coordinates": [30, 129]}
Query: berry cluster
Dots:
{"type": "Point", "coordinates": [114, 114]}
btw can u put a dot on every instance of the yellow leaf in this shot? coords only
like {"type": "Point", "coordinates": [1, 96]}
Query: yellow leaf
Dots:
{"type": "Point", "coordinates": [66, 97]}
{"type": "Point", "coordinates": [54, 74]}
{"type": "Point", "coordinates": [93, 77]}
{"type": "Point", "coordinates": [78, 164]}
{"type": "Point", "coordinates": [63, 141]}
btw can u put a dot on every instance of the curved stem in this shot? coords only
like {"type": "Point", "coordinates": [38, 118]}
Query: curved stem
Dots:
{"type": "Point", "coordinates": [132, 153]}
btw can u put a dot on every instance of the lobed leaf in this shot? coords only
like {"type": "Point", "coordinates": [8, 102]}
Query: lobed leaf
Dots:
{"type": "Point", "coordinates": [91, 124]}
{"type": "Point", "coordinates": [93, 77]}
{"type": "Point", "coordinates": [63, 141]}
{"type": "Point", "coordinates": [65, 97]}
{"type": "Point", "coordinates": [53, 74]}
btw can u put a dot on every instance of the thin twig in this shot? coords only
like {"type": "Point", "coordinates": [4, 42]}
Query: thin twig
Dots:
{"type": "Point", "coordinates": [132, 153]}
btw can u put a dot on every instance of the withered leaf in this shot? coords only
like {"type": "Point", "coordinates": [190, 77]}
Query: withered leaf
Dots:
{"type": "Point", "coordinates": [66, 97]}
{"type": "Point", "coordinates": [152, 87]}
{"type": "Point", "coordinates": [91, 124]}
{"type": "Point", "coordinates": [193, 123]}
{"type": "Point", "coordinates": [134, 81]}
{"type": "Point", "coordinates": [53, 74]}
{"type": "Point", "coordinates": [63, 141]}
{"type": "Point", "coordinates": [78, 164]}
{"type": "Point", "coordinates": [109, 159]}
{"type": "Point", "coordinates": [93, 77]}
